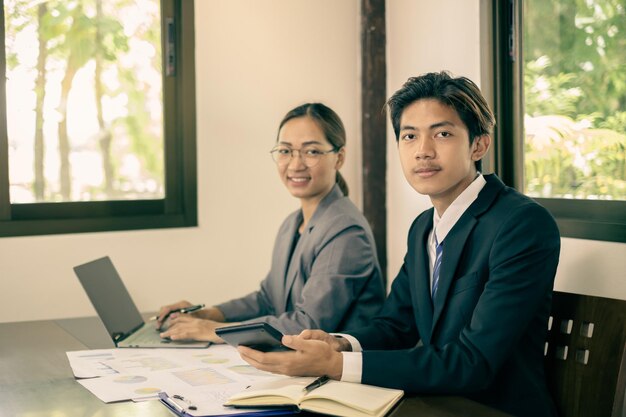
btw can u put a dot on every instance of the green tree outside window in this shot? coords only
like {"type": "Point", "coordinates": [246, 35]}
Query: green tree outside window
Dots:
{"type": "Point", "coordinates": [575, 99]}
{"type": "Point", "coordinates": [84, 107]}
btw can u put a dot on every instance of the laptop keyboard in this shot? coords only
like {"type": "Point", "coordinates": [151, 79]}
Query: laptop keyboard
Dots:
{"type": "Point", "coordinates": [147, 335]}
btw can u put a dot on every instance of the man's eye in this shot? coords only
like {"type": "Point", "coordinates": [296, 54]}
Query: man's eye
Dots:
{"type": "Point", "coordinates": [443, 135]}
{"type": "Point", "coordinates": [408, 136]}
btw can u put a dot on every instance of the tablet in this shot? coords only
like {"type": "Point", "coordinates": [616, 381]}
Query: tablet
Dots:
{"type": "Point", "coordinates": [258, 336]}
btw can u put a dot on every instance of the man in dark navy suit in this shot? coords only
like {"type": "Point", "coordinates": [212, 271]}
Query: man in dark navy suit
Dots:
{"type": "Point", "coordinates": [467, 313]}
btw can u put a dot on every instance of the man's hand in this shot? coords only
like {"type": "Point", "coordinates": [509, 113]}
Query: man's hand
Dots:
{"type": "Point", "coordinates": [185, 327]}
{"type": "Point", "coordinates": [338, 343]}
{"type": "Point", "coordinates": [310, 357]}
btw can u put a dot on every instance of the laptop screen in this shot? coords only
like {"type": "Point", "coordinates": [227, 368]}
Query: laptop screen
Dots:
{"type": "Point", "coordinates": [109, 297]}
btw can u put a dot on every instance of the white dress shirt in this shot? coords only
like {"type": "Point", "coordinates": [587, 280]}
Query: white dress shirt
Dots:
{"type": "Point", "coordinates": [353, 361]}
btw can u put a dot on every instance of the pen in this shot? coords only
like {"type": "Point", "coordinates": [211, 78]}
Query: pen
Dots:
{"type": "Point", "coordinates": [316, 384]}
{"type": "Point", "coordinates": [171, 401]}
{"type": "Point", "coordinates": [189, 404]}
{"type": "Point", "coordinates": [189, 309]}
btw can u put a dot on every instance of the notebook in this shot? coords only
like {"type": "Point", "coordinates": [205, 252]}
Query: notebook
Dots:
{"type": "Point", "coordinates": [344, 399]}
{"type": "Point", "coordinates": [118, 312]}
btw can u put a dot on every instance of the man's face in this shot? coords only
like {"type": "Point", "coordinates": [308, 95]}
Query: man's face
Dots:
{"type": "Point", "coordinates": [435, 151]}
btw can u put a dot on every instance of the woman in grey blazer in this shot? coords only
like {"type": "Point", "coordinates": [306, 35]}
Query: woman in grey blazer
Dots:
{"type": "Point", "coordinates": [324, 272]}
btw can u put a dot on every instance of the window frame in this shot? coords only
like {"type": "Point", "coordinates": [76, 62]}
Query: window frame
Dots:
{"type": "Point", "coordinates": [178, 208]}
{"type": "Point", "coordinates": [582, 219]}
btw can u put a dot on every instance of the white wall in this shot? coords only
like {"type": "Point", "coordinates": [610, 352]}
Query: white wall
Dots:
{"type": "Point", "coordinates": [255, 60]}
{"type": "Point", "coordinates": [428, 36]}
{"type": "Point", "coordinates": [422, 36]}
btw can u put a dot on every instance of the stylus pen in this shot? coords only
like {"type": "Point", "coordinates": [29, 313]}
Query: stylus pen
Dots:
{"type": "Point", "coordinates": [316, 384]}
{"type": "Point", "coordinates": [189, 309]}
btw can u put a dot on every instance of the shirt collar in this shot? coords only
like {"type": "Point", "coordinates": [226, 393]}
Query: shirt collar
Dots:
{"type": "Point", "coordinates": [442, 225]}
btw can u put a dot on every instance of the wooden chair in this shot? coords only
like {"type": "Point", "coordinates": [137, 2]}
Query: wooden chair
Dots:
{"type": "Point", "coordinates": [585, 355]}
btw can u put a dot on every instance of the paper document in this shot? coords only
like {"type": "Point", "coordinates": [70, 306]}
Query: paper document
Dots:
{"type": "Point", "coordinates": [206, 377]}
{"type": "Point", "coordinates": [91, 363]}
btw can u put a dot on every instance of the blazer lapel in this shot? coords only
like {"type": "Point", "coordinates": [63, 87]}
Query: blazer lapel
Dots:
{"type": "Point", "coordinates": [334, 195]}
{"type": "Point", "coordinates": [293, 267]}
{"type": "Point", "coordinates": [289, 269]}
{"type": "Point", "coordinates": [456, 240]}
{"type": "Point", "coordinates": [452, 249]}
{"type": "Point", "coordinates": [420, 282]}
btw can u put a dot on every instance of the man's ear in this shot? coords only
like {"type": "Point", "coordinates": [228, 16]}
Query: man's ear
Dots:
{"type": "Point", "coordinates": [341, 157]}
{"type": "Point", "coordinates": [480, 146]}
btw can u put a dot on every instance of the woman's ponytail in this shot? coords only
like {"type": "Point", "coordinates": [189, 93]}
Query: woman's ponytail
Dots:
{"type": "Point", "coordinates": [341, 182]}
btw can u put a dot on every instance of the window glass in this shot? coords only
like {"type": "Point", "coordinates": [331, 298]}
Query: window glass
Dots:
{"type": "Point", "coordinates": [574, 97]}
{"type": "Point", "coordinates": [84, 100]}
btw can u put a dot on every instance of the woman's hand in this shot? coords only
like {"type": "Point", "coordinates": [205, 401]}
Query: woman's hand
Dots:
{"type": "Point", "coordinates": [211, 313]}
{"type": "Point", "coordinates": [185, 327]}
{"type": "Point", "coordinates": [164, 311]}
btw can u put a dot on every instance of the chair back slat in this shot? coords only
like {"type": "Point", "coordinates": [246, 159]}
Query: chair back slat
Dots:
{"type": "Point", "coordinates": [585, 355]}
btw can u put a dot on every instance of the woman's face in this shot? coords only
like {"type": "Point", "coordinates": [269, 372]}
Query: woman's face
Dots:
{"type": "Point", "coordinates": [309, 183]}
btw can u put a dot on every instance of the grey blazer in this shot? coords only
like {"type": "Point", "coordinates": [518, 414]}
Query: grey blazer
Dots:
{"type": "Point", "coordinates": [333, 281]}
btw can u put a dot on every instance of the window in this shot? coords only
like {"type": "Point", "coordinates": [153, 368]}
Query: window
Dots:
{"type": "Point", "coordinates": [560, 97]}
{"type": "Point", "coordinates": [98, 131]}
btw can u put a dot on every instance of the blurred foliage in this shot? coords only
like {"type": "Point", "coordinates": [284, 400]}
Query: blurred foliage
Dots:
{"type": "Point", "coordinates": [70, 28]}
{"type": "Point", "coordinates": [575, 98]}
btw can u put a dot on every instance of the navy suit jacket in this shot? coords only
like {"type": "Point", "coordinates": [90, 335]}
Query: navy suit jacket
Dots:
{"type": "Point", "coordinates": [483, 335]}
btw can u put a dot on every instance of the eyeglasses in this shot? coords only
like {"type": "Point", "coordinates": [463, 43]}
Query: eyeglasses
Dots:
{"type": "Point", "coordinates": [310, 155]}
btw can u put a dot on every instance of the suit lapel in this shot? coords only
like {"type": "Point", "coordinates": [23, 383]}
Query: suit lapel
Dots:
{"type": "Point", "coordinates": [420, 282]}
{"type": "Point", "coordinates": [452, 249]}
{"type": "Point", "coordinates": [288, 270]}
{"type": "Point", "coordinates": [293, 267]}
{"type": "Point", "coordinates": [457, 238]}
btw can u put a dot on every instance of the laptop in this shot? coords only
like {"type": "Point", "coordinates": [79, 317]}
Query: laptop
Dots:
{"type": "Point", "coordinates": [118, 312]}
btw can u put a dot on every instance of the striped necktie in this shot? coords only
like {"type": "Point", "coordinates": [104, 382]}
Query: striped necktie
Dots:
{"type": "Point", "coordinates": [437, 267]}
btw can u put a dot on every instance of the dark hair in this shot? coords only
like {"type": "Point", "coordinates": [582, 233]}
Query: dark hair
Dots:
{"type": "Point", "coordinates": [461, 94]}
{"type": "Point", "coordinates": [331, 125]}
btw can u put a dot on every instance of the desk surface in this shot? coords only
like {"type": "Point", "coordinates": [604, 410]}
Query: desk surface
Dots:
{"type": "Point", "coordinates": [37, 381]}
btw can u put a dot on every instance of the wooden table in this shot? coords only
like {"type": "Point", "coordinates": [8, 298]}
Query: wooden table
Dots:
{"type": "Point", "coordinates": [37, 381]}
